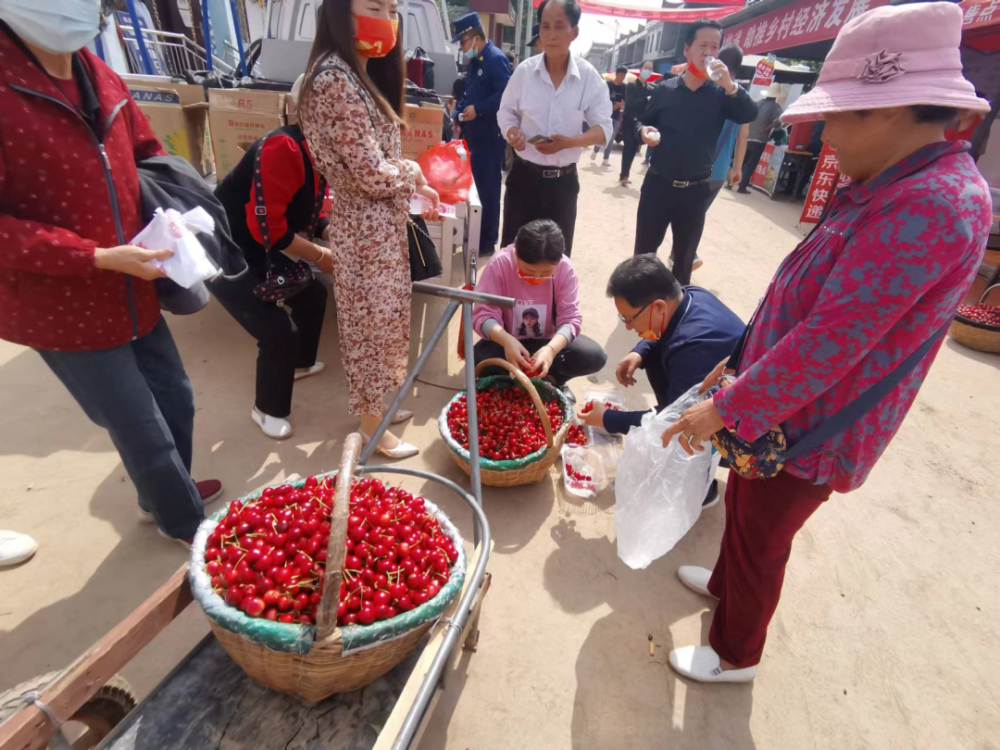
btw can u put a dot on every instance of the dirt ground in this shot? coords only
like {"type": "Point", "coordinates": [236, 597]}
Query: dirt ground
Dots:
{"type": "Point", "coordinates": [886, 636]}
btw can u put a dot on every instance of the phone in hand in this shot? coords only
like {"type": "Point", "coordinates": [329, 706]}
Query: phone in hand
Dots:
{"type": "Point", "coordinates": [539, 139]}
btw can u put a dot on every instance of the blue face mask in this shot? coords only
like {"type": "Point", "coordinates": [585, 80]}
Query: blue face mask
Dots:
{"type": "Point", "coordinates": [66, 27]}
{"type": "Point", "coordinates": [470, 54]}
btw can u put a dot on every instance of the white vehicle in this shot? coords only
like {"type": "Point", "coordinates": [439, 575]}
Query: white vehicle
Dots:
{"type": "Point", "coordinates": [295, 21]}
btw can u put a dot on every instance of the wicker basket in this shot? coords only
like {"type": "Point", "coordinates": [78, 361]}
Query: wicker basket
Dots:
{"type": "Point", "coordinates": [978, 336]}
{"type": "Point", "coordinates": [315, 663]}
{"type": "Point", "coordinates": [531, 468]}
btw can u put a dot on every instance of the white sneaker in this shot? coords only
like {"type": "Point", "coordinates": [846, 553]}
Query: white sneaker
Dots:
{"type": "Point", "coordinates": [15, 548]}
{"type": "Point", "coordinates": [593, 154]}
{"type": "Point", "coordinates": [273, 427]}
{"type": "Point", "coordinates": [606, 163]}
{"type": "Point", "coordinates": [701, 663]}
{"type": "Point", "coordinates": [306, 372]}
{"type": "Point", "coordinates": [698, 263]}
{"type": "Point", "coordinates": [696, 579]}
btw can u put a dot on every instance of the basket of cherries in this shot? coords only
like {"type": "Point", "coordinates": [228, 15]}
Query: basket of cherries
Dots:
{"type": "Point", "coordinates": [978, 326]}
{"type": "Point", "coordinates": [522, 426]}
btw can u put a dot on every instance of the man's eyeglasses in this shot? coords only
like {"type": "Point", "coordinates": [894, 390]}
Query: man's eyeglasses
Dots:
{"type": "Point", "coordinates": [628, 321]}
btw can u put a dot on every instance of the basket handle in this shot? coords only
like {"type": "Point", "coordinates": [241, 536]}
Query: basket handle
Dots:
{"type": "Point", "coordinates": [526, 383]}
{"type": "Point", "coordinates": [336, 548]}
{"type": "Point", "coordinates": [986, 293]}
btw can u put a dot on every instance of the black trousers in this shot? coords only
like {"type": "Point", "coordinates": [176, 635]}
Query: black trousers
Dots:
{"type": "Point", "coordinates": [285, 340]}
{"type": "Point", "coordinates": [754, 151]}
{"type": "Point", "coordinates": [662, 205]}
{"type": "Point", "coordinates": [583, 356]}
{"type": "Point", "coordinates": [630, 146]}
{"type": "Point", "coordinates": [531, 196]}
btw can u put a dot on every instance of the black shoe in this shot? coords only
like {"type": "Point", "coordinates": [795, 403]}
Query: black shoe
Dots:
{"type": "Point", "coordinates": [743, 191]}
{"type": "Point", "coordinates": [712, 498]}
{"type": "Point", "coordinates": [487, 253]}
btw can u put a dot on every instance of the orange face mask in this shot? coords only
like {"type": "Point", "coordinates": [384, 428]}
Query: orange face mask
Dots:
{"type": "Point", "coordinates": [696, 71]}
{"type": "Point", "coordinates": [651, 335]}
{"type": "Point", "coordinates": [533, 280]}
{"type": "Point", "coordinates": [375, 37]}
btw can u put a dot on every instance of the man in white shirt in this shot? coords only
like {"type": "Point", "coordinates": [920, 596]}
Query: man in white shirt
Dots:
{"type": "Point", "coordinates": [547, 101]}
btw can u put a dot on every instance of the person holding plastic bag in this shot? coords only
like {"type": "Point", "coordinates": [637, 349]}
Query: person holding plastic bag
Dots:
{"type": "Point", "coordinates": [541, 335]}
{"type": "Point", "coordinates": [684, 332]}
{"type": "Point", "coordinates": [852, 319]}
{"type": "Point", "coordinates": [71, 286]}
{"type": "Point", "coordinates": [286, 206]}
{"type": "Point", "coordinates": [350, 111]}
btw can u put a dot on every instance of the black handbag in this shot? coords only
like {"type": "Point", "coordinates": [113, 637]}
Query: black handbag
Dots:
{"type": "Point", "coordinates": [424, 261]}
{"type": "Point", "coordinates": [280, 285]}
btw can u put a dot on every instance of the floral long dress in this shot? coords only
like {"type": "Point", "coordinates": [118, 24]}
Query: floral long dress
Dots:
{"type": "Point", "coordinates": [357, 148]}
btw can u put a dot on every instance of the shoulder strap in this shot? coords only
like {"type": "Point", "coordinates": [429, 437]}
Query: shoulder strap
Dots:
{"type": "Point", "coordinates": [259, 207]}
{"type": "Point", "coordinates": [853, 411]}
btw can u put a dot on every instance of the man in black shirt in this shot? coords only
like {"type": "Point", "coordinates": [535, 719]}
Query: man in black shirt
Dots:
{"type": "Point", "coordinates": [636, 98]}
{"type": "Point", "coordinates": [683, 120]}
{"type": "Point", "coordinates": [616, 90]}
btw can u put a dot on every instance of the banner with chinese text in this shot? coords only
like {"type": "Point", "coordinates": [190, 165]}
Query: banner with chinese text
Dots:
{"type": "Point", "coordinates": [825, 182]}
{"type": "Point", "coordinates": [801, 22]}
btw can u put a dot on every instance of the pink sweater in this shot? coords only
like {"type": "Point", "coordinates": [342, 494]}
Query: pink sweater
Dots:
{"type": "Point", "coordinates": [533, 316]}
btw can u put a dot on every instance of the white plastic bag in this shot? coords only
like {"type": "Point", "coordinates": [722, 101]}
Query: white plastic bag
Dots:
{"type": "Point", "coordinates": [659, 491]}
{"type": "Point", "coordinates": [171, 229]}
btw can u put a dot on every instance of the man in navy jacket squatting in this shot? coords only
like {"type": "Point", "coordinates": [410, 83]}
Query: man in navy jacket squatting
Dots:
{"type": "Point", "coordinates": [486, 79]}
{"type": "Point", "coordinates": [685, 332]}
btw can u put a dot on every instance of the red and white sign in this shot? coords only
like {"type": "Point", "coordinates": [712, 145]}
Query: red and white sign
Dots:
{"type": "Point", "coordinates": [764, 74]}
{"type": "Point", "coordinates": [760, 171]}
{"type": "Point", "coordinates": [826, 180]}
{"type": "Point", "coordinates": [801, 22]}
{"type": "Point", "coordinates": [979, 13]}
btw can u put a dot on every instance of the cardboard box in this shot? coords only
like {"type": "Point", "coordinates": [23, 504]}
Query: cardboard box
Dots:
{"type": "Point", "coordinates": [238, 118]}
{"type": "Point", "coordinates": [422, 129]}
{"type": "Point", "coordinates": [178, 114]}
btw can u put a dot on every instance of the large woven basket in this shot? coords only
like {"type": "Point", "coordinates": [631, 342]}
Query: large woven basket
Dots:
{"type": "Point", "coordinates": [978, 336]}
{"type": "Point", "coordinates": [315, 662]}
{"type": "Point", "coordinates": [533, 467]}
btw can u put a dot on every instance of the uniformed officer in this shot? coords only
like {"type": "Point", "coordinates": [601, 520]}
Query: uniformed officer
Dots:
{"type": "Point", "coordinates": [486, 79]}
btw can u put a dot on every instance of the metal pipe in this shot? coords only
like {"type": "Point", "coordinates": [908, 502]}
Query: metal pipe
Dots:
{"type": "Point", "coordinates": [454, 628]}
{"type": "Point", "coordinates": [462, 295]}
{"type": "Point", "coordinates": [206, 34]}
{"type": "Point", "coordinates": [439, 330]}
{"type": "Point", "coordinates": [517, 30]}
{"type": "Point", "coordinates": [470, 402]}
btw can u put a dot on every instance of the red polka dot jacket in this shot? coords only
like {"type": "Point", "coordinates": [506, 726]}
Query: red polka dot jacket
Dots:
{"type": "Point", "coordinates": [64, 191]}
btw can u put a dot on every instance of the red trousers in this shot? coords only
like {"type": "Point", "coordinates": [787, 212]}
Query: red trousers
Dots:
{"type": "Point", "coordinates": [762, 517]}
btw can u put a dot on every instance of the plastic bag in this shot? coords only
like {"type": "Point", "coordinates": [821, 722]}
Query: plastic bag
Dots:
{"type": "Point", "coordinates": [448, 170]}
{"type": "Point", "coordinates": [171, 229]}
{"type": "Point", "coordinates": [659, 491]}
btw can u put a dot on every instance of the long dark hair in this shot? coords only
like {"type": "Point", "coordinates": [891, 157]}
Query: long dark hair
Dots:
{"type": "Point", "coordinates": [384, 76]}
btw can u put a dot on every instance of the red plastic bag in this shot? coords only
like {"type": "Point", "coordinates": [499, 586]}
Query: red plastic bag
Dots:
{"type": "Point", "coordinates": [448, 170]}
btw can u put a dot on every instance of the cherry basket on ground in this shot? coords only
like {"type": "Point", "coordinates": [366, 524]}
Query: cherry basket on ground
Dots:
{"type": "Point", "coordinates": [319, 660]}
{"type": "Point", "coordinates": [980, 336]}
{"type": "Point", "coordinates": [517, 471]}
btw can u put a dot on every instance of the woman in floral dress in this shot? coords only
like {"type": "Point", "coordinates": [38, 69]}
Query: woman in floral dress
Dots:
{"type": "Point", "coordinates": [350, 113]}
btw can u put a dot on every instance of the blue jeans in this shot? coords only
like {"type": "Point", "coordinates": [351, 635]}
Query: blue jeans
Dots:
{"type": "Point", "coordinates": [141, 395]}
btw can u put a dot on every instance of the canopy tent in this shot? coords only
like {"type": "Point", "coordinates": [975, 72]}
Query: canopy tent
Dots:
{"type": "Point", "coordinates": [675, 15]}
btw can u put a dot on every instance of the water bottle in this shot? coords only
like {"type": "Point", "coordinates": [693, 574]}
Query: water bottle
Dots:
{"type": "Point", "coordinates": [715, 75]}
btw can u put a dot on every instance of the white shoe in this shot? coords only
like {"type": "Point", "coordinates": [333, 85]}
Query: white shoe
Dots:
{"type": "Point", "coordinates": [696, 579]}
{"type": "Point", "coordinates": [273, 427]}
{"type": "Point", "coordinates": [402, 415]}
{"type": "Point", "coordinates": [15, 548]}
{"type": "Point", "coordinates": [593, 154]}
{"type": "Point", "coordinates": [306, 372]}
{"type": "Point", "coordinates": [606, 163]}
{"type": "Point", "coordinates": [701, 663]}
{"type": "Point", "coordinates": [183, 542]}
{"type": "Point", "coordinates": [403, 450]}
{"type": "Point", "coordinates": [698, 263]}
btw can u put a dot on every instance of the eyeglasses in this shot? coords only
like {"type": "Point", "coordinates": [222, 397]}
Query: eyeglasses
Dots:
{"type": "Point", "coordinates": [628, 321]}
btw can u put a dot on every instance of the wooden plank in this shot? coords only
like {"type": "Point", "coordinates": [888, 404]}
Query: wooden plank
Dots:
{"type": "Point", "coordinates": [391, 728]}
{"type": "Point", "coordinates": [30, 729]}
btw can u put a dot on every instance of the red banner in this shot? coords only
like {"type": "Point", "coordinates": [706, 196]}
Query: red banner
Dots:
{"type": "Point", "coordinates": [760, 171]}
{"type": "Point", "coordinates": [679, 15]}
{"type": "Point", "coordinates": [801, 22]}
{"type": "Point", "coordinates": [825, 182]}
{"type": "Point", "coordinates": [979, 13]}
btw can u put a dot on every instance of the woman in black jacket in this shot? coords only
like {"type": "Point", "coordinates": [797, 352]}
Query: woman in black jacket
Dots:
{"type": "Point", "coordinates": [288, 209]}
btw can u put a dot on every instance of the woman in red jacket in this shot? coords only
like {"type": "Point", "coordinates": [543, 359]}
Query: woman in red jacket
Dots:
{"type": "Point", "coordinates": [70, 286]}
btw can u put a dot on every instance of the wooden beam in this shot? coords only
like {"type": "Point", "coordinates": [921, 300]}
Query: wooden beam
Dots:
{"type": "Point", "coordinates": [30, 728]}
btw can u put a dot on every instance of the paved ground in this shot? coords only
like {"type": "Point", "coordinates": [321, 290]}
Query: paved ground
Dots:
{"type": "Point", "coordinates": [886, 636]}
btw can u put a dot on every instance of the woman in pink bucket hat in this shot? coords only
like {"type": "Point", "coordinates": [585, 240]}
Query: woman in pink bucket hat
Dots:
{"type": "Point", "coordinates": [852, 320]}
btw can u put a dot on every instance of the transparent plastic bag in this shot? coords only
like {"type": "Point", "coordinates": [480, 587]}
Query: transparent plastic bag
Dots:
{"type": "Point", "coordinates": [173, 230]}
{"type": "Point", "coordinates": [659, 491]}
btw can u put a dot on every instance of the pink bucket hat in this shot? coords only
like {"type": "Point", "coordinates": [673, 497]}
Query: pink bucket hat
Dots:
{"type": "Point", "coordinates": [892, 56]}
